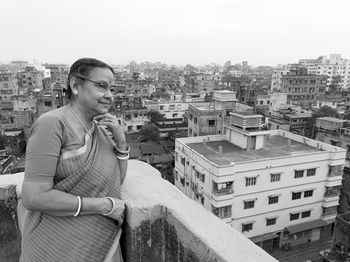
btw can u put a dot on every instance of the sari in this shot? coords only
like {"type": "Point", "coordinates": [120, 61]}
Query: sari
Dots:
{"type": "Point", "coordinates": [90, 171]}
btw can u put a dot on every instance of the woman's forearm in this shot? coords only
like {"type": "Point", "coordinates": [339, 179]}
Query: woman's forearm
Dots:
{"type": "Point", "coordinates": [58, 203]}
{"type": "Point", "coordinates": [123, 166]}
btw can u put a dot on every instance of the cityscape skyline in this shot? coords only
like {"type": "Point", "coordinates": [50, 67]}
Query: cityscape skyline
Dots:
{"type": "Point", "coordinates": [198, 33]}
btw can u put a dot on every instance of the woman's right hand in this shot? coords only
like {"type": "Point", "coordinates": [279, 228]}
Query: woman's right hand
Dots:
{"type": "Point", "coordinates": [119, 210]}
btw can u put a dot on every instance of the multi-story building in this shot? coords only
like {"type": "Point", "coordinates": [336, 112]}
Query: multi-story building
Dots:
{"type": "Point", "coordinates": [303, 88]}
{"type": "Point", "coordinates": [276, 79]}
{"type": "Point", "coordinates": [30, 79]}
{"type": "Point", "coordinates": [167, 127]}
{"type": "Point", "coordinates": [276, 187]}
{"type": "Point", "coordinates": [207, 118]}
{"type": "Point", "coordinates": [131, 113]}
{"type": "Point", "coordinates": [8, 86]}
{"type": "Point", "coordinates": [23, 102]}
{"type": "Point", "coordinates": [334, 67]}
{"type": "Point", "coordinates": [333, 131]}
{"type": "Point", "coordinates": [49, 100]}
{"type": "Point", "coordinates": [59, 74]}
{"type": "Point", "coordinates": [298, 122]}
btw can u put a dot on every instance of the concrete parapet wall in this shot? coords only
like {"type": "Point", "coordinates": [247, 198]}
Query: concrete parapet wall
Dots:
{"type": "Point", "coordinates": [162, 224]}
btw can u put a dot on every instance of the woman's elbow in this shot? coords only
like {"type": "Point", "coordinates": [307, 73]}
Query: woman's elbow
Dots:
{"type": "Point", "coordinates": [32, 199]}
{"type": "Point", "coordinates": [28, 201]}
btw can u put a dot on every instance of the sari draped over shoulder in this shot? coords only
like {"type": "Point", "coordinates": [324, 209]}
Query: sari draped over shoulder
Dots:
{"type": "Point", "coordinates": [90, 171]}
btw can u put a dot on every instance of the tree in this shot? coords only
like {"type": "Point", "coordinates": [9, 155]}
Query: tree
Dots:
{"type": "Point", "coordinates": [335, 85]}
{"type": "Point", "coordinates": [155, 116]}
{"type": "Point", "coordinates": [148, 133]}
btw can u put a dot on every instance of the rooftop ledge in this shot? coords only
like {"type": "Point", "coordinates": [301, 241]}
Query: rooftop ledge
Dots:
{"type": "Point", "coordinates": [162, 224]}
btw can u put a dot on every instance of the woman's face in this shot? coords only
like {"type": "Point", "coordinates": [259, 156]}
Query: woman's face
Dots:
{"type": "Point", "coordinates": [94, 98]}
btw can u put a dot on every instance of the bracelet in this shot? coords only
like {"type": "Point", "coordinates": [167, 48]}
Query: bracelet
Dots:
{"type": "Point", "coordinates": [113, 207]}
{"type": "Point", "coordinates": [79, 207]}
{"type": "Point", "coordinates": [118, 150]}
{"type": "Point", "coordinates": [123, 157]}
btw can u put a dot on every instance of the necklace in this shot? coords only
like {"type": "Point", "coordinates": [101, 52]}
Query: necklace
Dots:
{"type": "Point", "coordinates": [77, 118]}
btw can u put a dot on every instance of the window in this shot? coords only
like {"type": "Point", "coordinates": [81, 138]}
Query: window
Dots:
{"type": "Point", "coordinates": [273, 199]}
{"type": "Point", "coordinates": [48, 103]}
{"type": "Point", "coordinates": [249, 204]}
{"type": "Point", "coordinates": [195, 120]}
{"type": "Point", "coordinates": [223, 212]}
{"type": "Point", "coordinates": [305, 214]}
{"type": "Point", "coordinates": [250, 181]}
{"type": "Point", "coordinates": [308, 193]}
{"type": "Point", "coordinates": [294, 216]}
{"type": "Point", "coordinates": [270, 221]}
{"type": "Point", "coordinates": [182, 180]}
{"type": "Point", "coordinates": [247, 227]}
{"type": "Point", "coordinates": [212, 122]}
{"type": "Point", "coordinates": [275, 177]}
{"type": "Point", "coordinates": [296, 195]}
{"type": "Point", "coordinates": [203, 178]}
{"type": "Point", "coordinates": [182, 160]}
{"type": "Point", "coordinates": [138, 127]}
{"type": "Point", "coordinates": [161, 107]}
{"type": "Point", "coordinates": [176, 156]}
{"type": "Point", "coordinates": [298, 173]}
{"type": "Point", "coordinates": [129, 128]}
{"type": "Point", "coordinates": [311, 172]}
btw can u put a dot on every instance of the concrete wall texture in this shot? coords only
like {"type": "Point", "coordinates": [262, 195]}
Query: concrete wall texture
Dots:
{"type": "Point", "coordinates": [9, 233]}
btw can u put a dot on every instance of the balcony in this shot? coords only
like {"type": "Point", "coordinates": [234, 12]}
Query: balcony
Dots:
{"type": "Point", "coordinates": [332, 192]}
{"type": "Point", "coordinates": [161, 224]}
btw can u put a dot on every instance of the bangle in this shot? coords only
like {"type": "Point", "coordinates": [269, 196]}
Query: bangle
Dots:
{"type": "Point", "coordinates": [79, 207]}
{"type": "Point", "coordinates": [113, 207]}
{"type": "Point", "coordinates": [123, 157]}
{"type": "Point", "coordinates": [118, 150]}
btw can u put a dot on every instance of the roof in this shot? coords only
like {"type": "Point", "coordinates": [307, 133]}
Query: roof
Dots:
{"type": "Point", "coordinates": [332, 119]}
{"type": "Point", "coordinates": [307, 225]}
{"type": "Point", "coordinates": [152, 149]}
{"type": "Point", "coordinates": [263, 237]}
{"type": "Point", "coordinates": [276, 146]}
{"type": "Point", "coordinates": [299, 115]}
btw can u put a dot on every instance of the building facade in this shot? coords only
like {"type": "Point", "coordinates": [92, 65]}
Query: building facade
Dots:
{"type": "Point", "coordinates": [303, 88]}
{"type": "Point", "coordinates": [277, 188]}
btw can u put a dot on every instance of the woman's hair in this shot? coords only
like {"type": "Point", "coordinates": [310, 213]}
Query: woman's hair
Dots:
{"type": "Point", "coordinates": [83, 67]}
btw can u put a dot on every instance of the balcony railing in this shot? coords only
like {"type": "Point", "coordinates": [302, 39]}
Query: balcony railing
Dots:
{"type": "Point", "coordinates": [223, 192]}
{"type": "Point", "coordinates": [162, 224]}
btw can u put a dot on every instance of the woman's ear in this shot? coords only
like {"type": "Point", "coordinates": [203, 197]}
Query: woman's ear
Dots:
{"type": "Point", "coordinates": [74, 85]}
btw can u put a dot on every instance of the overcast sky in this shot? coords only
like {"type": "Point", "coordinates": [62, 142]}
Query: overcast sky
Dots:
{"type": "Point", "coordinates": [262, 32]}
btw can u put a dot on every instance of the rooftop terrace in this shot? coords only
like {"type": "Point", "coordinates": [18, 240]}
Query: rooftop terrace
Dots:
{"type": "Point", "coordinates": [276, 146]}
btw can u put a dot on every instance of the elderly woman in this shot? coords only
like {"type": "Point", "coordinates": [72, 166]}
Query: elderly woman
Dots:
{"type": "Point", "coordinates": [73, 174]}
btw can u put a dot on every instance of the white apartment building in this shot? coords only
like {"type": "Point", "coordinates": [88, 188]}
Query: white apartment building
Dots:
{"type": "Point", "coordinates": [276, 79]}
{"type": "Point", "coordinates": [277, 188]}
{"type": "Point", "coordinates": [332, 67]}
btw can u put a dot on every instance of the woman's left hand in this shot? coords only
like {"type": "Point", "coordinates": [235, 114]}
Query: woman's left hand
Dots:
{"type": "Point", "coordinates": [112, 123]}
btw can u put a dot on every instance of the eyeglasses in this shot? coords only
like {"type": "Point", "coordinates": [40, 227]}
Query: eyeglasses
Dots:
{"type": "Point", "coordinates": [102, 86]}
